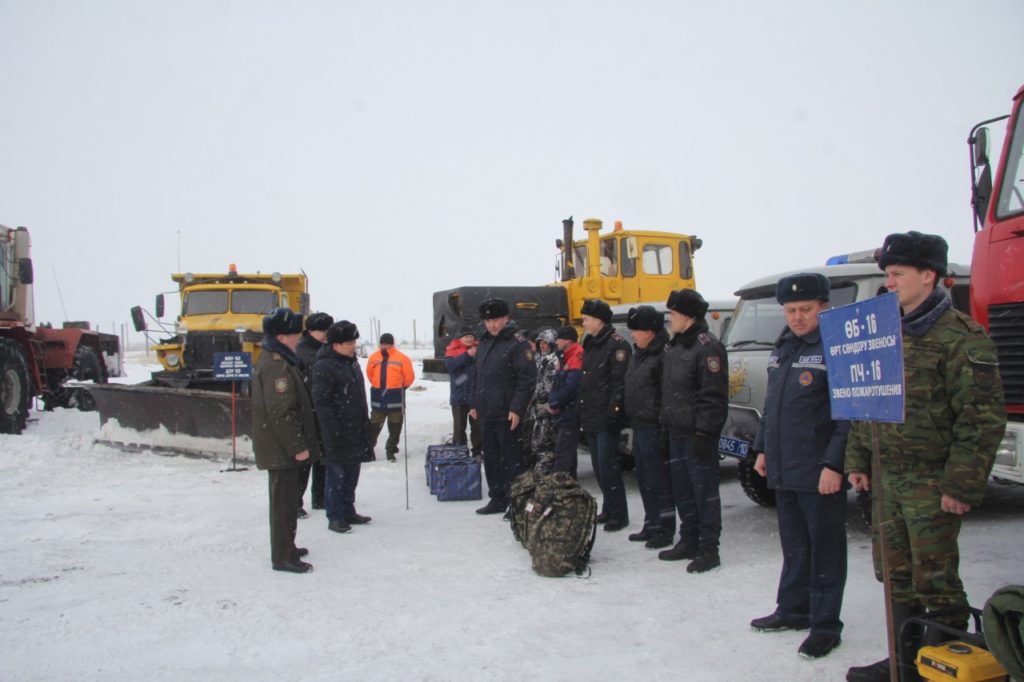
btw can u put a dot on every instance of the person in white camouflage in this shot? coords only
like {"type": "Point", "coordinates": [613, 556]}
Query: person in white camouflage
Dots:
{"type": "Point", "coordinates": [543, 437]}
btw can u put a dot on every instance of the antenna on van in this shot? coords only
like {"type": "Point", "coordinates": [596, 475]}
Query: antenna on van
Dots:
{"type": "Point", "coordinates": [59, 294]}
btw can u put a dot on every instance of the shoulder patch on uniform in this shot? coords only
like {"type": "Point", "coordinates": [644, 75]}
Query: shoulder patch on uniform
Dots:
{"type": "Point", "coordinates": [529, 355]}
{"type": "Point", "coordinates": [705, 339]}
{"type": "Point", "coordinates": [281, 385]}
{"type": "Point", "coordinates": [276, 356]}
{"type": "Point", "coordinates": [714, 364]}
{"type": "Point", "coordinates": [806, 378]}
{"type": "Point", "coordinates": [620, 355]}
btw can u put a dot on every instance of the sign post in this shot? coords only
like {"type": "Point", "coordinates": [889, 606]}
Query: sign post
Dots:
{"type": "Point", "coordinates": [233, 367]}
{"type": "Point", "coordinates": [863, 345]}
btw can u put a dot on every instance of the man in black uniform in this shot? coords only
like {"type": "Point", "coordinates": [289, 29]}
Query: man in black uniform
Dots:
{"type": "Point", "coordinates": [643, 409]}
{"type": "Point", "coordinates": [504, 378]}
{"type": "Point", "coordinates": [310, 344]}
{"type": "Point", "coordinates": [284, 433]}
{"type": "Point", "coordinates": [694, 403]}
{"type": "Point", "coordinates": [800, 450]}
{"type": "Point", "coordinates": [602, 393]}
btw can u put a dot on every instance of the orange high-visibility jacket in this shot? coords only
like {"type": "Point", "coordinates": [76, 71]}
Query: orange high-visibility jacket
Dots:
{"type": "Point", "coordinates": [388, 379]}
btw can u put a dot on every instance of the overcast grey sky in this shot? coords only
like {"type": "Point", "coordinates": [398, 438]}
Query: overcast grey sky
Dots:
{"type": "Point", "coordinates": [391, 149]}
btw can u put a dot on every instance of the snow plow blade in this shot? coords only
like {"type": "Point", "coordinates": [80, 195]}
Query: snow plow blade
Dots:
{"type": "Point", "coordinates": [181, 411]}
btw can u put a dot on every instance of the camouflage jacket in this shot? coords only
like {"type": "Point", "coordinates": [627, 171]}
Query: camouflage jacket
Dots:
{"type": "Point", "coordinates": [955, 413]}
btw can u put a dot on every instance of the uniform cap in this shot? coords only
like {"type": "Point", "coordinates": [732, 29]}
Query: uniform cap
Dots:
{"type": "Point", "coordinates": [282, 321]}
{"type": "Point", "coordinates": [687, 302]}
{"type": "Point", "coordinates": [342, 332]}
{"type": "Point", "coordinates": [597, 308]}
{"type": "Point", "coordinates": [922, 251]}
{"type": "Point", "coordinates": [493, 308]}
{"type": "Point", "coordinates": [318, 322]}
{"type": "Point", "coordinates": [645, 318]}
{"type": "Point", "coordinates": [805, 286]}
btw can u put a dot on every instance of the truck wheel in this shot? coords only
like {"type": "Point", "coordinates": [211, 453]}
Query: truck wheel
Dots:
{"type": "Point", "coordinates": [15, 387]}
{"type": "Point", "coordinates": [87, 367]}
{"type": "Point", "coordinates": [755, 485]}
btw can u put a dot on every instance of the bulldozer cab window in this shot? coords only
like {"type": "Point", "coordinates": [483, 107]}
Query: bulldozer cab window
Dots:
{"type": "Point", "coordinates": [628, 263]}
{"type": "Point", "coordinates": [685, 261]}
{"type": "Point", "coordinates": [657, 259]}
{"type": "Point", "coordinates": [205, 303]}
{"type": "Point", "coordinates": [253, 302]}
{"type": "Point", "coordinates": [580, 263]}
{"type": "Point", "coordinates": [609, 258]}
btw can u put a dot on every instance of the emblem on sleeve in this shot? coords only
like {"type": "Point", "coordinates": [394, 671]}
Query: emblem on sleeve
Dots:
{"type": "Point", "coordinates": [620, 355]}
{"type": "Point", "coordinates": [529, 355]}
{"type": "Point", "coordinates": [806, 378]}
{"type": "Point", "coordinates": [281, 385]}
{"type": "Point", "coordinates": [714, 364]}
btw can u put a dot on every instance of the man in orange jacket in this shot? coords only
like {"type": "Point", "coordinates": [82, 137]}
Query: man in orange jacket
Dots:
{"type": "Point", "coordinates": [390, 373]}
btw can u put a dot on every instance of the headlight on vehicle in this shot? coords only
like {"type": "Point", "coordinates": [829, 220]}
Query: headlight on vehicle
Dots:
{"type": "Point", "coordinates": [1006, 455]}
{"type": "Point", "coordinates": [172, 359]}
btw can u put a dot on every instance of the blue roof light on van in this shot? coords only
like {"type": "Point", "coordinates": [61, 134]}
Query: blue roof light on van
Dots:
{"type": "Point", "coordinates": [868, 256]}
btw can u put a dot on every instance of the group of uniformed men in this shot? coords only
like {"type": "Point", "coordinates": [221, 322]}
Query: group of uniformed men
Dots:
{"type": "Point", "coordinates": [671, 387]}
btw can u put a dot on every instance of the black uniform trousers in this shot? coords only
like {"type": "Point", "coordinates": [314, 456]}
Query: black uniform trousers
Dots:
{"type": "Point", "coordinates": [604, 456]}
{"type": "Point", "coordinates": [460, 417]}
{"type": "Point", "coordinates": [285, 501]}
{"type": "Point", "coordinates": [693, 463]}
{"type": "Point", "coordinates": [567, 443]}
{"type": "Point", "coordinates": [503, 457]}
{"type": "Point", "coordinates": [652, 478]}
{"type": "Point", "coordinates": [812, 528]}
{"type": "Point", "coordinates": [319, 476]}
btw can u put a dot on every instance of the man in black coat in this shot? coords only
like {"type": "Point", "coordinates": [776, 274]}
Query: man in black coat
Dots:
{"type": "Point", "coordinates": [694, 403]}
{"type": "Point", "coordinates": [313, 339]}
{"type": "Point", "coordinates": [602, 393]}
{"type": "Point", "coordinates": [800, 450]}
{"type": "Point", "coordinates": [339, 396]}
{"type": "Point", "coordinates": [503, 381]}
{"type": "Point", "coordinates": [643, 410]}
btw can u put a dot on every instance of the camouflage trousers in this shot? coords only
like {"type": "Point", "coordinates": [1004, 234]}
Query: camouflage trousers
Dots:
{"type": "Point", "coordinates": [923, 553]}
{"type": "Point", "coordinates": [542, 442]}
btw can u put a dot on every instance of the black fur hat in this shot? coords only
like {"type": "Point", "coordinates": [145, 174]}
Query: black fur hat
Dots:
{"type": "Point", "coordinates": [568, 333]}
{"type": "Point", "coordinates": [282, 321]}
{"type": "Point", "coordinates": [342, 332]}
{"type": "Point", "coordinates": [922, 251]}
{"type": "Point", "coordinates": [493, 308]}
{"type": "Point", "coordinates": [645, 318]}
{"type": "Point", "coordinates": [805, 286]}
{"type": "Point", "coordinates": [597, 308]}
{"type": "Point", "coordinates": [687, 302]}
{"type": "Point", "coordinates": [318, 322]}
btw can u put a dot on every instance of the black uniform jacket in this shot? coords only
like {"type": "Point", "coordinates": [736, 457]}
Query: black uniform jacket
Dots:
{"type": "Point", "coordinates": [283, 422]}
{"type": "Point", "coordinates": [603, 384]}
{"type": "Point", "coordinates": [306, 350]}
{"type": "Point", "coordinates": [505, 374]}
{"type": "Point", "coordinates": [694, 383]}
{"type": "Point", "coordinates": [643, 382]}
{"type": "Point", "coordinates": [339, 395]}
{"type": "Point", "coordinates": [796, 432]}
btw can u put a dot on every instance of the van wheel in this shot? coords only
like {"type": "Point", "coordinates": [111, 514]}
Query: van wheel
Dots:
{"type": "Point", "coordinates": [755, 485]}
{"type": "Point", "coordinates": [15, 387]}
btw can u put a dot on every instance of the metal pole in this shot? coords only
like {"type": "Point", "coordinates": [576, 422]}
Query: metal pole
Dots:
{"type": "Point", "coordinates": [883, 548]}
{"type": "Point", "coordinates": [405, 436]}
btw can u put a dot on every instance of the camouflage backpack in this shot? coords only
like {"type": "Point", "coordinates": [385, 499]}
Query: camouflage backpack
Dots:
{"type": "Point", "coordinates": [561, 520]}
{"type": "Point", "coordinates": [519, 495]}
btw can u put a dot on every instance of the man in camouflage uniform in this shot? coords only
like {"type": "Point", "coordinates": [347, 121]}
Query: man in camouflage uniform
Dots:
{"type": "Point", "coordinates": [936, 464]}
{"type": "Point", "coordinates": [543, 437]}
{"type": "Point", "coordinates": [284, 432]}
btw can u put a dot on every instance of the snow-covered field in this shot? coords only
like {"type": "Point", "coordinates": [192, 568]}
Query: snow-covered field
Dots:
{"type": "Point", "coordinates": [119, 566]}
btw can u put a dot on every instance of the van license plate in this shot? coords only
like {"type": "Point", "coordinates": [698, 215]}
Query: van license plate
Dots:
{"type": "Point", "coordinates": [733, 447]}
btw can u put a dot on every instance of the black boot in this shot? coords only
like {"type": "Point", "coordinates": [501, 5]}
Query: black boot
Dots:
{"type": "Point", "coordinates": [493, 507]}
{"type": "Point", "coordinates": [705, 561]}
{"type": "Point", "coordinates": [658, 540]}
{"type": "Point", "coordinates": [682, 550]}
{"type": "Point", "coordinates": [879, 670]}
{"type": "Point", "coordinates": [643, 536]}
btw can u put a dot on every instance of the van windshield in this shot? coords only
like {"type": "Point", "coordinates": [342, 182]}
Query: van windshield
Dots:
{"type": "Point", "coordinates": [758, 322]}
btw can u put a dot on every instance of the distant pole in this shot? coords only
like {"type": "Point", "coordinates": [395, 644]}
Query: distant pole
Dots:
{"type": "Point", "coordinates": [59, 294]}
{"type": "Point", "coordinates": [179, 250]}
{"type": "Point", "coordinates": [414, 342]}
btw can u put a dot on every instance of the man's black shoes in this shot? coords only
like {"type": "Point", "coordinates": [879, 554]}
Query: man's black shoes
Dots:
{"type": "Point", "coordinates": [301, 551]}
{"type": "Point", "coordinates": [642, 536]}
{"type": "Point", "coordinates": [704, 562]}
{"type": "Point", "coordinates": [876, 672]}
{"type": "Point", "coordinates": [493, 507]}
{"type": "Point", "coordinates": [682, 550]}
{"type": "Point", "coordinates": [602, 518]}
{"type": "Point", "coordinates": [294, 567]}
{"type": "Point", "coordinates": [658, 540]}
{"type": "Point", "coordinates": [817, 645]}
{"type": "Point", "coordinates": [303, 514]}
{"type": "Point", "coordinates": [615, 525]}
{"type": "Point", "coordinates": [339, 527]}
{"type": "Point", "coordinates": [777, 622]}
{"type": "Point", "coordinates": [358, 519]}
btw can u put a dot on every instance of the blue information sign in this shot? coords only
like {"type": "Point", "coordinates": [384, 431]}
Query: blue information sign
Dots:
{"type": "Point", "coordinates": [863, 345]}
{"type": "Point", "coordinates": [232, 366]}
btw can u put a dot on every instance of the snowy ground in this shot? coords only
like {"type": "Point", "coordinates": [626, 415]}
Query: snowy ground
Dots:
{"type": "Point", "coordinates": [135, 566]}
